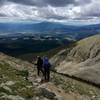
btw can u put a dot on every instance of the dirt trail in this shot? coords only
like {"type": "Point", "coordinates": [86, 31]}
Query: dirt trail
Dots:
{"type": "Point", "coordinates": [49, 88]}
{"type": "Point", "coordinates": [60, 94]}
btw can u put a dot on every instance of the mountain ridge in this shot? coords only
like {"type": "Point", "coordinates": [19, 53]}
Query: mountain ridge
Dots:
{"type": "Point", "coordinates": [47, 27]}
{"type": "Point", "coordinates": [81, 61]}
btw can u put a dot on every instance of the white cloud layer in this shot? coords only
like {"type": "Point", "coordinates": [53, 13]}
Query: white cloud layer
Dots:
{"type": "Point", "coordinates": [51, 10]}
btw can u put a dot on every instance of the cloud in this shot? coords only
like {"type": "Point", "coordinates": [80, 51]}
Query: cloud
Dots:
{"type": "Point", "coordinates": [55, 10]}
{"type": "Point", "coordinates": [29, 2]}
{"type": "Point", "coordinates": [2, 15]}
{"type": "Point", "coordinates": [82, 2]}
{"type": "Point", "coordinates": [55, 3]}
{"type": "Point", "coordinates": [59, 2]}
{"type": "Point", "coordinates": [2, 1]}
{"type": "Point", "coordinates": [92, 10]}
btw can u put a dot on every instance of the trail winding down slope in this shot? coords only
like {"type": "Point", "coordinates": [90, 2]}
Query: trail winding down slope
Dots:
{"type": "Point", "coordinates": [18, 81]}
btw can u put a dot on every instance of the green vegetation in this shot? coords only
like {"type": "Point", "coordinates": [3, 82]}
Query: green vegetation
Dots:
{"type": "Point", "coordinates": [21, 46]}
{"type": "Point", "coordinates": [13, 82]}
{"type": "Point", "coordinates": [29, 57]}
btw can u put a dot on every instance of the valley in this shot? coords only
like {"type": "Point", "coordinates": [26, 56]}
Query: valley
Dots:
{"type": "Point", "coordinates": [28, 39]}
{"type": "Point", "coordinates": [19, 44]}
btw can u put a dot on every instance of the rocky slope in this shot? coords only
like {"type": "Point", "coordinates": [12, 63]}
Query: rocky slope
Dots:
{"type": "Point", "coordinates": [82, 60]}
{"type": "Point", "coordinates": [13, 79]}
{"type": "Point", "coordinates": [18, 81]}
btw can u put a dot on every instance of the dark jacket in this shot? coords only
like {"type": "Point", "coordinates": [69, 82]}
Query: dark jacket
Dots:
{"type": "Point", "coordinates": [39, 62]}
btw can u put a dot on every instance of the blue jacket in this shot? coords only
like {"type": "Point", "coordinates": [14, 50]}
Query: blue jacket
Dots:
{"type": "Point", "coordinates": [46, 63]}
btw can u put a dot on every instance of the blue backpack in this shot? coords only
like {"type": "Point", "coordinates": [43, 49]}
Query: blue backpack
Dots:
{"type": "Point", "coordinates": [46, 63]}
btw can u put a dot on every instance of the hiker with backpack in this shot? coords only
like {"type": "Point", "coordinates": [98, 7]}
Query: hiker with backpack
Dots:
{"type": "Point", "coordinates": [40, 66]}
{"type": "Point", "coordinates": [46, 66]}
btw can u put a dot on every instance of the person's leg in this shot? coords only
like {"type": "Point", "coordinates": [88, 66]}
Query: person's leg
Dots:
{"type": "Point", "coordinates": [48, 74]}
{"type": "Point", "coordinates": [45, 74]}
{"type": "Point", "coordinates": [42, 71]}
{"type": "Point", "coordinates": [38, 71]}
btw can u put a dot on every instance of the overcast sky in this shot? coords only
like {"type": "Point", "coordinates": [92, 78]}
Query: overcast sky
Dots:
{"type": "Point", "coordinates": [66, 11]}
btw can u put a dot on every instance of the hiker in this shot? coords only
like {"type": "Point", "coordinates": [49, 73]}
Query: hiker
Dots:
{"type": "Point", "coordinates": [46, 66]}
{"type": "Point", "coordinates": [39, 66]}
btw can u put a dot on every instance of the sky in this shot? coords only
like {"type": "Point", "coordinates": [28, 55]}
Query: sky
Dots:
{"type": "Point", "coordinates": [64, 11]}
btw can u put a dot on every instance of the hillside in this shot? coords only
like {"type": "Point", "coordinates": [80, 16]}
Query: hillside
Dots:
{"type": "Point", "coordinates": [13, 79]}
{"type": "Point", "coordinates": [18, 81]}
{"type": "Point", "coordinates": [82, 60]}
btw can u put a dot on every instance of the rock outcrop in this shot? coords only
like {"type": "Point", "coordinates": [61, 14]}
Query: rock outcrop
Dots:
{"type": "Point", "coordinates": [82, 61]}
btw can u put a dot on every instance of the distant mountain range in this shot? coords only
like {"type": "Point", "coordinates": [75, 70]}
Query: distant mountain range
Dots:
{"type": "Point", "coordinates": [35, 27]}
{"type": "Point", "coordinates": [45, 27]}
{"type": "Point", "coordinates": [50, 27]}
